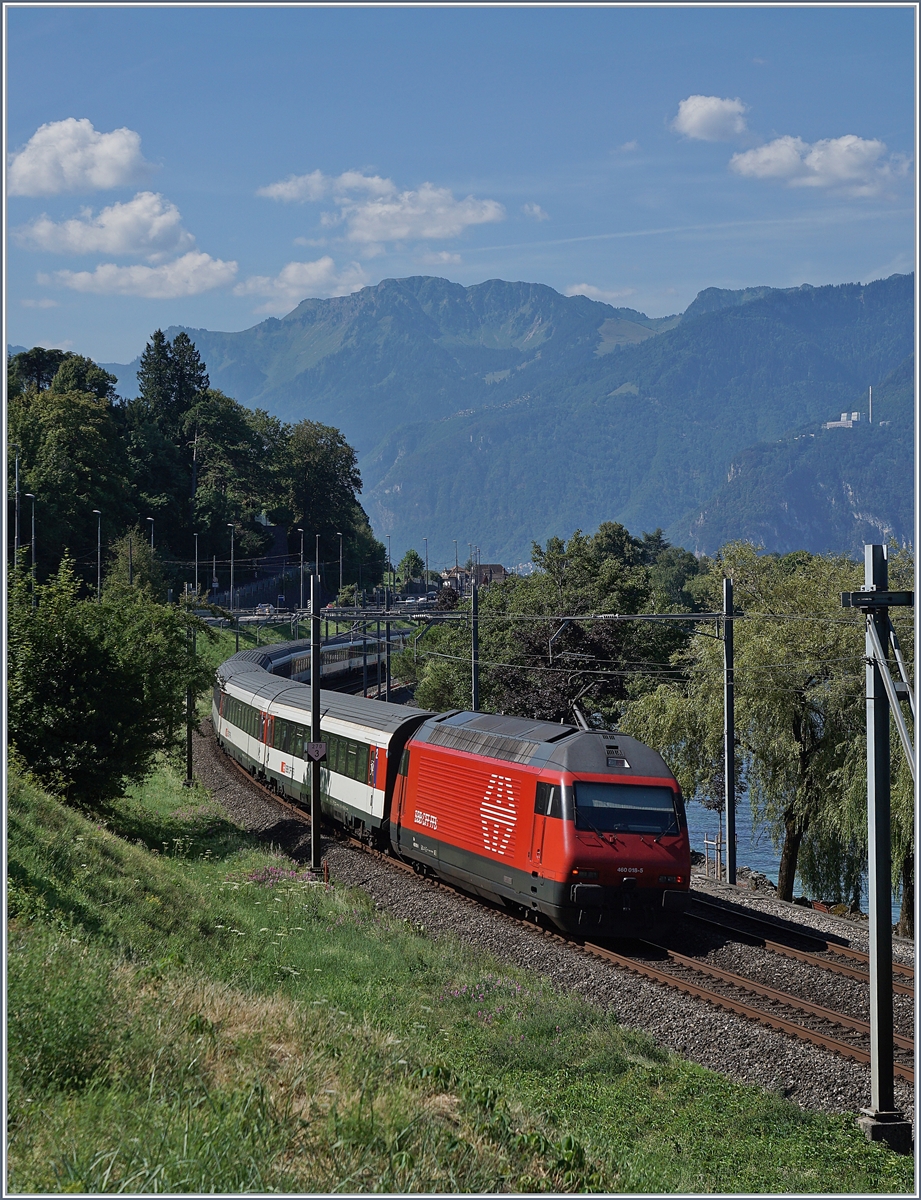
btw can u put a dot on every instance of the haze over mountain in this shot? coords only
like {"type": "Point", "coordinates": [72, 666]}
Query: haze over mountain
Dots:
{"type": "Point", "coordinates": [505, 412]}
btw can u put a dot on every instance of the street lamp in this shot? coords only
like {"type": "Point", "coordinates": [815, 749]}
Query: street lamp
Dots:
{"type": "Point", "coordinates": [316, 558]}
{"type": "Point", "coordinates": [29, 496]}
{"type": "Point", "coordinates": [151, 520]}
{"type": "Point", "coordinates": [98, 554]}
{"type": "Point", "coordinates": [301, 532]}
{"type": "Point", "coordinates": [230, 527]}
{"type": "Point", "coordinates": [339, 536]}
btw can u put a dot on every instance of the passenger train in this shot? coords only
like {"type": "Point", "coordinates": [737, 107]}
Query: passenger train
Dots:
{"type": "Point", "coordinates": [586, 827]}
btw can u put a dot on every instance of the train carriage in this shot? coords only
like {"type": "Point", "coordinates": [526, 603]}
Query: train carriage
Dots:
{"type": "Point", "coordinates": [264, 722]}
{"type": "Point", "coordinates": [586, 827]}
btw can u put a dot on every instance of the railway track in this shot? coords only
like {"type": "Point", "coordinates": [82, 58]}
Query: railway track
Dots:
{"type": "Point", "coordinates": [829, 954]}
{"type": "Point", "coordinates": [829, 1029]}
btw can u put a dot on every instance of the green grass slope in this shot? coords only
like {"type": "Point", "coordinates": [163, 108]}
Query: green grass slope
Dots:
{"type": "Point", "coordinates": [188, 1011]}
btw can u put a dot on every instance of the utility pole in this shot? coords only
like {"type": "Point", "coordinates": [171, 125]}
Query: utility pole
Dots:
{"type": "Point", "coordinates": [16, 526]}
{"type": "Point", "coordinates": [301, 532]}
{"type": "Point", "coordinates": [196, 563]}
{"type": "Point", "coordinates": [426, 567]}
{"type": "Point", "coordinates": [871, 403]}
{"type": "Point", "coordinates": [881, 1121]}
{"type": "Point", "coordinates": [339, 536]}
{"type": "Point", "coordinates": [378, 660]}
{"type": "Point", "coordinates": [30, 496]}
{"type": "Point", "coordinates": [189, 709]}
{"type": "Point", "coordinates": [475, 649]}
{"type": "Point", "coordinates": [98, 554]}
{"type": "Point", "coordinates": [387, 662]}
{"type": "Point", "coordinates": [315, 721]}
{"type": "Point", "coordinates": [230, 527]}
{"type": "Point", "coordinates": [729, 731]}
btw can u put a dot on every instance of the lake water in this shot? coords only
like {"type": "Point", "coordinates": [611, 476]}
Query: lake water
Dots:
{"type": "Point", "coordinates": [753, 846]}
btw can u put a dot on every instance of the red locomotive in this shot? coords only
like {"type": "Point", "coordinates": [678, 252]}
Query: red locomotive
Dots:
{"type": "Point", "coordinates": [587, 827]}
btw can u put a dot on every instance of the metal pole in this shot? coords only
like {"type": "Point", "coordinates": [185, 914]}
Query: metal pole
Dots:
{"type": "Point", "coordinates": [475, 649]}
{"type": "Point", "coordinates": [339, 536]}
{"type": "Point", "coordinates": [151, 520]}
{"type": "Point", "coordinates": [882, 1087]}
{"type": "Point", "coordinates": [316, 564]}
{"type": "Point", "coordinates": [130, 560]}
{"type": "Point", "coordinates": [426, 567]}
{"type": "Point", "coordinates": [364, 661]}
{"type": "Point", "coordinates": [189, 709]}
{"type": "Point", "coordinates": [729, 732]}
{"type": "Point", "coordinates": [30, 496]}
{"type": "Point", "coordinates": [387, 663]}
{"type": "Point", "coordinates": [196, 564]}
{"type": "Point", "coordinates": [98, 554]}
{"type": "Point", "coordinates": [389, 569]}
{"type": "Point", "coordinates": [230, 527]}
{"type": "Point", "coordinates": [16, 530]}
{"type": "Point", "coordinates": [315, 734]}
{"type": "Point", "coordinates": [378, 660]}
{"type": "Point", "coordinates": [301, 532]}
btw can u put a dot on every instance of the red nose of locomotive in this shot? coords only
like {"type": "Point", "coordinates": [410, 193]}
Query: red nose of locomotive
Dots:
{"type": "Point", "coordinates": [623, 854]}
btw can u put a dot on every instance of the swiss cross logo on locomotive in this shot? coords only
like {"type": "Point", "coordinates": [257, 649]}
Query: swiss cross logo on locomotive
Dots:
{"type": "Point", "coordinates": [497, 813]}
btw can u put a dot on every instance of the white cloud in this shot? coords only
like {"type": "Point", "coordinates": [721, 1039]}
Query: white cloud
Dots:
{"type": "Point", "coordinates": [46, 302]}
{"type": "Point", "coordinates": [852, 163]}
{"type": "Point", "coordinates": [535, 212]}
{"type": "Point", "coordinates": [596, 293]}
{"type": "Point", "coordinates": [373, 210]}
{"type": "Point", "coordinates": [148, 225]}
{"type": "Point", "coordinates": [72, 156]}
{"type": "Point", "coordinates": [710, 118]}
{"type": "Point", "coordinates": [189, 275]}
{"type": "Point", "coordinates": [298, 280]}
{"type": "Point", "coordinates": [440, 259]}
{"type": "Point", "coordinates": [316, 186]}
{"type": "Point", "coordinates": [626, 146]}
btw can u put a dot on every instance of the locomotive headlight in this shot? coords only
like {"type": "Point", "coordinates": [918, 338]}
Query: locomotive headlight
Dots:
{"type": "Point", "coordinates": [584, 873]}
{"type": "Point", "coordinates": [671, 879]}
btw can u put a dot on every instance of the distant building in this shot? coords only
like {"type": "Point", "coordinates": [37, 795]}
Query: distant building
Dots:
{"type": "Point", "coordinates": [848, 421]}
{"type": "Point", "coordinates": [460, 578]}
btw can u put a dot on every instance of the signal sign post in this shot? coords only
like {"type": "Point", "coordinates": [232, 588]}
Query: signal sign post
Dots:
{"type": "Point", "coordinates": [881, 1122]}
{"type": "Point", "coordinates": [315, 759]}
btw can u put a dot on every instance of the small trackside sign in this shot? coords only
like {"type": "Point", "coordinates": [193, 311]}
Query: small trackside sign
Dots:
{"type": "Point", "coordinates": [316, 751]}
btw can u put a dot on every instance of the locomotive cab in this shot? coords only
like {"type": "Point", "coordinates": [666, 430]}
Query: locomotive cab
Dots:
{"type": "Point", "coordinates": [618, 854]}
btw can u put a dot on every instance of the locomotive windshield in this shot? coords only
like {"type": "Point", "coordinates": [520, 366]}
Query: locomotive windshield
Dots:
{"type": "Point", "coordinates": [626, 808]}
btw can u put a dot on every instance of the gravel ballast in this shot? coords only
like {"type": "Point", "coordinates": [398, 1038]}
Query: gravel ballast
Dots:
{"type": "Point", "coordinates": [734, 1046]}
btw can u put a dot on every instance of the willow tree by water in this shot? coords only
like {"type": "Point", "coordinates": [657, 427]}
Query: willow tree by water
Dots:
{"type": "Point", "coordinates": [799, 714]}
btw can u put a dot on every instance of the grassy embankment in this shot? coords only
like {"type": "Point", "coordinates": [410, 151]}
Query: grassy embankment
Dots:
{"type": "Point", "coordinates": [188, 1012]}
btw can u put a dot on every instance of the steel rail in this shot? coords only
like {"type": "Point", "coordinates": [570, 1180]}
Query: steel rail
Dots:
{"type": "Point", "coordinates": [833, 947]}
{"type": "Point", "coordinates": [743, 1010]}
{"type": "Point", "coordinates": [804, 956]}
{"type": "Point", "coordinates": [765, 991]}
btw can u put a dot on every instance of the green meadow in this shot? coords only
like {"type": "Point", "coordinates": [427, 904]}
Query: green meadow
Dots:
{"type": "Point", "coordinates": [190, 1011]}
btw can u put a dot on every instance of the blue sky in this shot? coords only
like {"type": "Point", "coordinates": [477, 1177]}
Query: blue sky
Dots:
{"type": "Point", "coordinates": [212, 166]}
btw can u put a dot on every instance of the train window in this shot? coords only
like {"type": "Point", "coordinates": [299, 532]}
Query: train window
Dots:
{"type": "Point", "coordinates": [626, 808]}
{"type": "Point", "coordinates": [547, 801]}
{"type": "Point", "coordinates": [352, 768]}
{"type": "Point", "coordinates": [361, 771]}
{"type": "Point", "coordinates": [297, 748]}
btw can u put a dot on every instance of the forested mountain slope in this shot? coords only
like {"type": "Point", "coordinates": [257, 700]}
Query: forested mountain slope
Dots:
{"type": "Point", "coordinates": [820, 489]}
{"type": "Point", "coordinates": [506, 412]}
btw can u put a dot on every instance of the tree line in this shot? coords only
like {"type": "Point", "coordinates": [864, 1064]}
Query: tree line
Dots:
{"type": "Point", "coordinates": [799, 682]}
{"type": "Point", "coordinates": [181, 452]}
